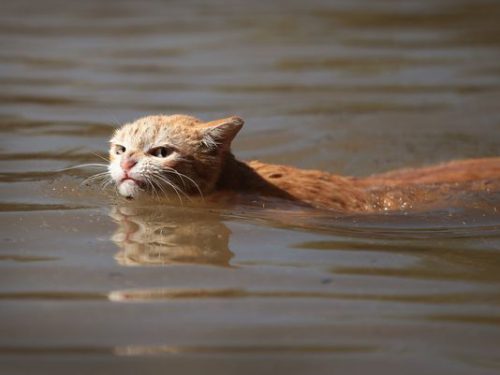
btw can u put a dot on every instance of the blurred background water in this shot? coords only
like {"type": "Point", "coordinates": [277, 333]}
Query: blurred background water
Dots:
{"type": "Point", "coordinates": [353, 87]}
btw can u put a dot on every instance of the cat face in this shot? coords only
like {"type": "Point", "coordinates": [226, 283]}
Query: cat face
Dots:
{"type": "Point", "coordinates": [170, 155]}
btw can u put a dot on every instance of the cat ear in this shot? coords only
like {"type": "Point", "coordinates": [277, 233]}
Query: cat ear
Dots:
{"type": "Point", "coordinates": [221, 132]}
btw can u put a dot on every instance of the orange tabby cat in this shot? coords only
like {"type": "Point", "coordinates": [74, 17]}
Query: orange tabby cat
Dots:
{"type": "Point", "coordinates": [181, 155]}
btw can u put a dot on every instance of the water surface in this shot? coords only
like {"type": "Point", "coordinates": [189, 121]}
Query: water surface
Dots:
{"type": "Point", "coordinates": [91, 283]}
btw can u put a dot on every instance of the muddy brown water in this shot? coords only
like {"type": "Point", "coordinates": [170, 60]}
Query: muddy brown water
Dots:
{"type": "Point", "coordinates": [92, 284]}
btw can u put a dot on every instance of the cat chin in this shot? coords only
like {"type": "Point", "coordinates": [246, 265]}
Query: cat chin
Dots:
{"type": "Point", "coordinates": [129, 189]}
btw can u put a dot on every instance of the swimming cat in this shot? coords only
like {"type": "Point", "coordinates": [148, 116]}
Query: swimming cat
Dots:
{"type": "Point", "coordinates": [184, 156]}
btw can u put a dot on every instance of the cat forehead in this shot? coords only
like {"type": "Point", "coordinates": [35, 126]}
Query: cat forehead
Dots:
{"type": "Point", "coordinates": [153, 129]}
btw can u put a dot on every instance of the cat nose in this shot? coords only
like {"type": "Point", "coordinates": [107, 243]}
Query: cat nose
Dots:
{"type": "Point", "coordinates": [128, 163]}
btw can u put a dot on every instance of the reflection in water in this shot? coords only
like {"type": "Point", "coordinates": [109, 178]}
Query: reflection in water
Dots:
{"type": "Point", "coordinates": [155, 236]}
{"type": "Point", "coordinates": [168, 294]}
{"type": "Point", "coordinates": [155, 350]}
{"type": "Point", "coordinates": [240, 349]}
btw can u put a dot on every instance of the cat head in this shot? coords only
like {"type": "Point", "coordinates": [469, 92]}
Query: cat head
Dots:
{"type": "Point", "coordinates": [170, 155]}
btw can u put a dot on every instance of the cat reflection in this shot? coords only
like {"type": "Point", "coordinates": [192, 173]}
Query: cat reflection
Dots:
{"type": "Point", "coordinates": [160, 236]}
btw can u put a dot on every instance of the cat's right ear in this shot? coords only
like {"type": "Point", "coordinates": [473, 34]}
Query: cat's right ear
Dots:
{"type": "Point", "coordinates": [220, 133]}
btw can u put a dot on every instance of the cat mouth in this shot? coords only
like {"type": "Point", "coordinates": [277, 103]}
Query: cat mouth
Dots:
{"type": "Point", "coordinates": [128, 178]}
{"type": "Point", "coordinates": [129, 187]}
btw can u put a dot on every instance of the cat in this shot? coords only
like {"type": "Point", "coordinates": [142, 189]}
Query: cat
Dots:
{"type": "Point", "coordinates": [183, 156]}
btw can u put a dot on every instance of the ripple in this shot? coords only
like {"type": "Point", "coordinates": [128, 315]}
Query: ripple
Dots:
{"type": "Point", "coordinates": [386, 89]}
{"type": "Point", "coordinates": [69, 155]}
{"type": "Point", "coordinates": [165, 294]}
{"type": "Point", "coordinates": [368, 107]}
{"type": "Point", "coordinates": [168, 294]}
{"type": "Point", "coordinates": [134, 53]}
{"type": "Point", "coordinates": [156, 350]}
{"type": "Point", "coordinates": [25, 258]}
{"type": "Point", "coordinates": [52, 295]}
{"type": "Point", "coordinates": [361, 64]}
{"type": "Point", "coordinates": [24, 207]}
{"type": "Point", "coordinates": [467, 319]}
{"type": "Point", "coordinates": [39, 99]}
{"type": "Point", "coordinates": [40, 62]}
{"type": "Point", "coordinates": [242, 349]}
{"type": "Point", "coordinates": [446, 16]}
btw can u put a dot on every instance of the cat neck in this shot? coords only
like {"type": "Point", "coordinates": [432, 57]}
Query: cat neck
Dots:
{"type": "Point", "coordinates": [238, 176]}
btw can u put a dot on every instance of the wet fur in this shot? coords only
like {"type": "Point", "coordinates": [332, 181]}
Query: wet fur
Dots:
{"type": "Point", "coordinates": [205, 166]}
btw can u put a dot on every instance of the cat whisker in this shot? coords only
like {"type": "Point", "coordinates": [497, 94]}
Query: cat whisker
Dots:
{"type": "Point", "coordinates": [164, 193]}
{"type": "Point", "coordinates": [172, 170]}
{"type": "Point", "coordinates": [182, 176]}
{"type": "Point", "coordinates": [92, 180]}
{"type": "Point", "coordinates": [107, 183]}
{"type": "Point", "coordinates": [109, 180]}
{"type": "Point", "coordinates": [95, 177]}
{"type": "Point", "coordinates": [100, 174]}
{"type": "Point", "coordinates": [105, 173]}
{"type": "Point", "coordinates": [157, 186]}
{"type": "Point", "coordinates": [174, 187]}
{"type": "Point", "coordinates": [157, 189]}
{"type": "Point", "coordinates": [101, 157]}
{"type": "Point", "coordinates": [159, 174]}
{"type": "Point", "coordinates": [152, 188]}
{"type": "Point", "coordinates": [95, 165]}
{"type": "Point", "coordinates": [117, 192]}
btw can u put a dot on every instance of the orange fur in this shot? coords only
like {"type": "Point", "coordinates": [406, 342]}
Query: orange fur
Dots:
{"type": "Point", "coordinates": [205, 158]}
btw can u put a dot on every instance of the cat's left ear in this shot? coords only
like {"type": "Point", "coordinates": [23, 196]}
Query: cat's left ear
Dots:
{"type": "Point", "coordinates": [221, 132]}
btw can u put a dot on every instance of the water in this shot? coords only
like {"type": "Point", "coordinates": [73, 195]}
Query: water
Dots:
{"type": "Point", "coordinates": [89, 283]}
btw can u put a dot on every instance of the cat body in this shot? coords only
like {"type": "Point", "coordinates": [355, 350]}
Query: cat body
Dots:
{"type": "Point", "coordinates": [181, 155]}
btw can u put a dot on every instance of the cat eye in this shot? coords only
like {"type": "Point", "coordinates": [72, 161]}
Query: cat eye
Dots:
{"type": "Point", "coordinates": [119, 149]}
{"type": "Point", "coordinates": [161, 152]}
